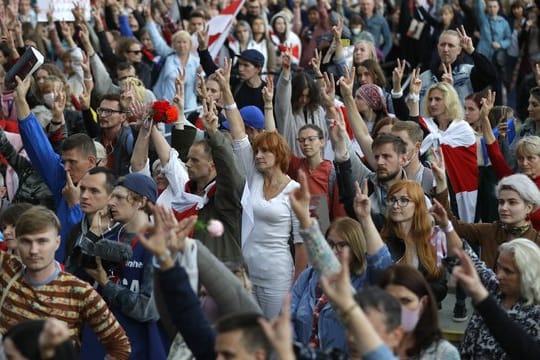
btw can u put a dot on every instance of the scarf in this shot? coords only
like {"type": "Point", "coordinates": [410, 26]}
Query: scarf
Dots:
{"type": "Point", "coordinates": [188, 204]}
{"type": "Point", "coordinates": [516, 231]}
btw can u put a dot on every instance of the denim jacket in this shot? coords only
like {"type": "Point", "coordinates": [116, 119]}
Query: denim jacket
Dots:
{"type": "Point", "coordinates": [331, 332]}
{"type": "Point", "coordinates": [491, 29]}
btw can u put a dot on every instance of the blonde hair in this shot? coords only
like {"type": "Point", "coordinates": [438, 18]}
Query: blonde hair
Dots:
{"type": "Point", "coordinates": [528, 145]}
{"type": "Point", "coordinates": [182, 34]}
{"type": "Point", "coordinates": [526, 255]}
{"type": "Point", "coordinates": [454, 109]}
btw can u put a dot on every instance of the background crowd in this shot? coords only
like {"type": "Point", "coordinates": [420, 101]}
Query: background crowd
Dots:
{"type": "Point", "coordinates": [310, 187]}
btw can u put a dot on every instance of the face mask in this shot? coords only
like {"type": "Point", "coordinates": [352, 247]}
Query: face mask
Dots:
{"type": "Point", "coordinates": [356, 31]}
{"type": "Point", "coordinates": [48, 99]}
{"type": "Point", "coordinates": [409, 318]}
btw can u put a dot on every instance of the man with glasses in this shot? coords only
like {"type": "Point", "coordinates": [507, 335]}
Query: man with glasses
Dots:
{"type": "Point", "coordinates": [390, 153]}
{"type": "Point", "coordinates": [60, 173]}
{"type": "Point", "coordinates": [117, 139]}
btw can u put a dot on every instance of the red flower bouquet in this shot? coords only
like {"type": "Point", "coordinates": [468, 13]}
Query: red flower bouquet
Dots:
{"type": "Point", "coordinates": [163, 112]}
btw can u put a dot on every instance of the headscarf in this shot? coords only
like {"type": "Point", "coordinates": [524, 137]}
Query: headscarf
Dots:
{"type": "Point", "coordinates": [374, 96]}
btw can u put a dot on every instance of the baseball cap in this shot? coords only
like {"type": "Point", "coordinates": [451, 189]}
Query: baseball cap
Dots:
{"type": "Point", "coordinates": [253, 56]}
{"type": "Point", "coordinates": [140, 184]}
{"type": "Point", "coordinates": [252, 116]}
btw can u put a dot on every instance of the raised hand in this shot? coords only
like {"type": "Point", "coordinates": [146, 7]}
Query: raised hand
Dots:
{"type": "Point", "coordinates": [346, 82]}
{"type": "Point", "coordinates": [179, 86]}
{"type": "Point", "coordinates": [437, 165]}
{"type": "Point", "coordinates": [164, 228]}
{"type": "Point", "coordinates": [286, 60]}
{"type": "Point", "coordinates": [362, 203]}
{"type": "Point", "coordinates": [328, 92]}
{"type": "Point", "coordinates": [300, 199]}
{"type": "Point", "coordinates": [337, 131]}
{"type": "Point", "coordinates": [127, 96]}
{"type": "Point", "coordinates": [439, 214]}
{"type": "Point", "coordinates": [59, 103]}
{"type": "Point", "coordinates": [22, 86]}
{"type": "Point", "coordinates": [316, 64]}
{"type": "Point", "coordinates": [209, 117]}
{"type": "Point", "coordinates": [447, 74]}
{"type": "Point", "coordinates": [416, 83]}
{"type": "Point", "coordinates": [464, 40]}
{"type": "Point", "coordinates": [71, 192]}
{"type": "Point", "coordinates": [224, 74]}
{"type": "Point", "coordinates": [487, 104]}
{"type": "Point", "coordinates": [337, 30]}
{"type": "Point", "coordinates": [468, 278]}
{"type": "Point", "coordinates": [202, 37]}
{"type": "Point", "coordinates": [338, 287]}
{"type": "Point", "coordinates": [397, 75]}
{"type": "Point", "coordinates": [268, 91]}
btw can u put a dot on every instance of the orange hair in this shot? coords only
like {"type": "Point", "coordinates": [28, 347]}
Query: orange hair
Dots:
{"type": "Point", "coordinates": [277, 145]}
{"type": "Point", "coordinates": [421, 228]}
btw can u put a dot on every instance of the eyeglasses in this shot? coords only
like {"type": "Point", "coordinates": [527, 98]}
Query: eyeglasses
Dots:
{"type": "Point", "coordinates": [340, 245]}
{"type": "Point", "coordinates": [106, 112]}
{"type": "Point", "coordinates": [136, 52]}
{"type": "Point", "coordinates": [307, 139]}
{"type": "Point", "coordinates": [401, 201]}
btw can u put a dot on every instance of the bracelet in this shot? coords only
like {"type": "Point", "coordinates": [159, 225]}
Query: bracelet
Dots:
{"type": "Point", "coordinates": [396, 95]}
{"type": "Point", "coordinates": [319, 77]}
{"type": "Point", "coordinates": [166, 256]}
{"type": "Point", "coordinates": [268, 108]}
{"type": "Point", "coordinates": [346, 315]}
{"type": "Point", "coordinates": [56, 123]}
{"type": "Point", "coordinates": [88, 79]}
{"type": "Point", "coordinates": [413, 98]}
{"type": "Point", "coordinates": [449, 228]}
{"type": "Point", "coordinates": [230, 107]}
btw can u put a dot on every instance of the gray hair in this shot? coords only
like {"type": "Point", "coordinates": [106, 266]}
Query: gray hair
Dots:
{"type": "Point", "coordinates": [526, 255]}
{"type": "Point", "coordinates": [523, 185]}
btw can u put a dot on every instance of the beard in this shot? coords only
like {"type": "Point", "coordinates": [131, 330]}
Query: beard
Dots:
{"type": "Point", "coordinates": [389, 176]}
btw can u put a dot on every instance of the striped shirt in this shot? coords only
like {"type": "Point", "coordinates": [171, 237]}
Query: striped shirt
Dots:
{"type": "Point", "coordinates": [66, 298]}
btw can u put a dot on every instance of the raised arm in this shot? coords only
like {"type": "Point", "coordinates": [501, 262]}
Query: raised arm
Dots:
{"type": "Point", "coordinates": [236, 124]}
{"type": "Point", "coordinates": [361, 132]}
{"type": "Point", "coordinates": [283, 107]}
{"type": "Point", "coordinates": [268, 97]}
{"type": "Point", "coordinates": [362, 209]}
{"type": "Point", "coordinates": [139, 158]}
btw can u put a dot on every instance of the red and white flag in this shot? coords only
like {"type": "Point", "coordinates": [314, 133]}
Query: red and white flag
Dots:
{"type": "Point", "coordinates": [219, 27]}
{"type": "Point", "coordinates": [458, 146]}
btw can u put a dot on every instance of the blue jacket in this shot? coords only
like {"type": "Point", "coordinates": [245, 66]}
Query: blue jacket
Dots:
{"type": "Point", "coordinates": [379, 28]}
{"type": "Point", "coordinates": [50, 166]}
{"type": "Point", "coordinates": [165, 88]}
{"type": "Point", "coordinates": [492, 29]}
{"type": "Point", "coordinates": [331, 332]}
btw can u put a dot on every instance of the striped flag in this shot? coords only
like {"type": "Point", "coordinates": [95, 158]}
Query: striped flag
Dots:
{"type": "Point", "coordinates": [458, 146]}
{"type": "Point", "coordinates": [219, 27]}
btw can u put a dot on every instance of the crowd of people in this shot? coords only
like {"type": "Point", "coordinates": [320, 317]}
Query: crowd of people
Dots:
{"type": "Point", "coordinates": [309, 189]}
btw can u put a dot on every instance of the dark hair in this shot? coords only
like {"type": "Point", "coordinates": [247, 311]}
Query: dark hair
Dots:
{"type": "Point", "coordinates": [427, 330]}
{"type": "Point", "coordinates": [25, 337]}
{"type": "Point", "coordinates": [197, 14]}
{"type": "Point", "coordinates": [375, 71]}
{"type": "Point", "coordinates": [113, 97]}
{"type": "Point", "coordinates": [253, 337]}
{"type": "Point", "coordinates": [11, 214]}
{"type": "Point", "coordinates": [399, 145]}
{"type": "Point", "coordinates": [373, 297]}
{"type": "Point", "coordinates": [477, 97]}
{"type": "Point", "coordinates": [110, 177]}
{"type": "Point", "coordinates": [81, 142]}
{"type": "Point", "coordinates": [123, 65]}
{"type": "Point", "coordinates": [319, 131]}
{"type": "Point", "coordinates": [356, 19]}
{"type": "Point", "coordinates": [299, 83]}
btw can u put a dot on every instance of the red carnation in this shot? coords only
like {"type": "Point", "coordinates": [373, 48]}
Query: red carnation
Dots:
{"type": "Point", "coordinates": [164, 112]}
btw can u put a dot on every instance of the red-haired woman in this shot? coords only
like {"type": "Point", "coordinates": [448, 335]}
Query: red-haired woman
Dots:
{"type": "Point", "coordinates": [411, 236]}
{"type": "Point", "coordinates": [269, 221]}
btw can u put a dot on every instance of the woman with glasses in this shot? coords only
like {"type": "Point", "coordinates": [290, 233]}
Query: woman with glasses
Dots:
{"type": "Point", "coordinates": [411, 237]}
{"type": "Point", "coordinates": [527, 151]}
{"type": "Point", "coordinates": [314, 319]}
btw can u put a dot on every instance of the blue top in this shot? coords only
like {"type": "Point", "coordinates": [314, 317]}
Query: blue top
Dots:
{"type": "Point", "coordinates": [331, 332]}
{"type": "Point", "coordinates": [378, 27]}
{"type": "Point", "coordinates": [492, 29]}
{"type": "Point", "coordinates": [50, 166]}
{"type": "Point", "coordinates": [165, 88]}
